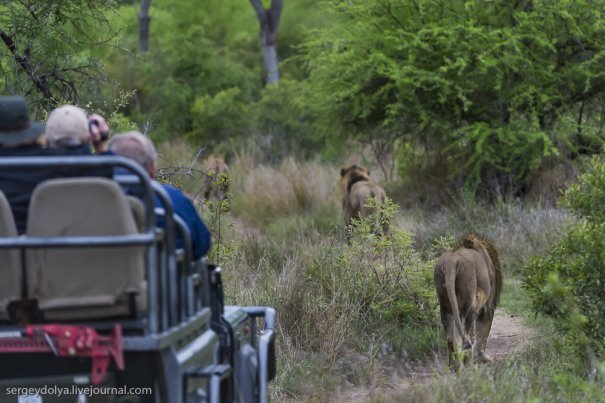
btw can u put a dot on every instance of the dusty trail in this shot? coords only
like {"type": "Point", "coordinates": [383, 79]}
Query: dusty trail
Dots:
{"type": "Point", "coordinates": [506, 336]}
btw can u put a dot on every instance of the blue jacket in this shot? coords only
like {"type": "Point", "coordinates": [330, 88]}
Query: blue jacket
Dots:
{"type": "Point", "coordinates": [183, 207]}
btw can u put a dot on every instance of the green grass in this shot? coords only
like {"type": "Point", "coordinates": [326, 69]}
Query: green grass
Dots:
{"type": "Point", "coordinates": [514, 299]}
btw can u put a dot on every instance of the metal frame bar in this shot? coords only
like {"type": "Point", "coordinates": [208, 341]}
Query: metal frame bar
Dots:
{"type": "Point", "coordinates": [262, 344]}
{"type": "Point", "coordinates": [186, 269]}
{"type": "Point", "coordinates": [169, 275]}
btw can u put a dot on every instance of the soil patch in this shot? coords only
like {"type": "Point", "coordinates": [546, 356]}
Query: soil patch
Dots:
{"type": "Point", "coordinates": [506, 336]}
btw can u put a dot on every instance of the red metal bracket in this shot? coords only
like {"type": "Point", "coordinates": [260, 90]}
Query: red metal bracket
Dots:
{"type": "Point", "coordinates": [71, 341]}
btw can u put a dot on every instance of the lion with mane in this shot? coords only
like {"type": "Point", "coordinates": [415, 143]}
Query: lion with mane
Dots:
{"type": "Point", "coordinates": [468, 281]}
{"type": "Point", "coordinates": [357, 189]}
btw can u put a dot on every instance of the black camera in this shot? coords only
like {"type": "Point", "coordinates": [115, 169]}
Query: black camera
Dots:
{"type": "Point", "coordinates": [95, 122]}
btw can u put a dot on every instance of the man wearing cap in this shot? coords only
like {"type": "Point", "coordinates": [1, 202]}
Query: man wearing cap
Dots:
{"type": "Point", "coordinates": [20, 137]}
{"type": "Point", "coordinates": [72, 132]}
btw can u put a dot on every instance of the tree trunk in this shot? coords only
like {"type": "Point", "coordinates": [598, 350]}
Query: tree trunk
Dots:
{"type": "Point", "coordinates": [269, 25]}
{"type": "Point", "coordinates": [144, 25]}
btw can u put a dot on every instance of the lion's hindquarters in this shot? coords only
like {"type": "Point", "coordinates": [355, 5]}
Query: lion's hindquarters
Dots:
{"type": "Point", "coordinates": [365, 198]}
{"type": "Point", "coordinates": [480, 299]}
{"type": "Point", "coordinates": [462, 292]}
{"type": "Point", "coordinates": [362, 198]}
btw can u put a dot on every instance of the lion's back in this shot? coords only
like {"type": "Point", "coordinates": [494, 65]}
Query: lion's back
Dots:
{"type": "Point", "coordinates": [361, 192]}
{"type": "Point", "coordinates": [464, 261]}
{"type": "Point", "coordinates": [215, 163]}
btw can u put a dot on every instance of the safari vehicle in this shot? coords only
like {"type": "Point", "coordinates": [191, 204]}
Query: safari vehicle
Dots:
{"type": "Point", "coordinates": [97, 304]}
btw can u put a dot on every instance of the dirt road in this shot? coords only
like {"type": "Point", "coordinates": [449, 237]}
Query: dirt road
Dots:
{"type": "Point", "coordinates": [506, 336]}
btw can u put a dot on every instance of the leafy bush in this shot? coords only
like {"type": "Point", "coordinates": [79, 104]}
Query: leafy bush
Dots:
{"type": "Point", "coordinates": [567, 283]}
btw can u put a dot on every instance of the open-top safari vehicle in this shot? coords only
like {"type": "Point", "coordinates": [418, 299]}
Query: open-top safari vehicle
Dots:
{"type": "Point", "coordinates": [97, 304]}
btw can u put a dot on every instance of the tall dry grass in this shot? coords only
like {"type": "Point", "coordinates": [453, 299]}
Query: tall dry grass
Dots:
{"type": "Point", "coordinates": [519, 230]}
{"type": "Point", "coordinates": [265, 193]}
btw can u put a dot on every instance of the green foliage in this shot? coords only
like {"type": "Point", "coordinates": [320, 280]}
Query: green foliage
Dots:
{"type": "Point", "coordinates": [483, 85]}
{"type": "Point", "coordinates": [50, 51]}
{"type": "Point", "coordinates": [546, 370]}
{"type": "Point", "coordinates": [195, 50]}
{"type": "Point", "coordinates": [218, 224]}
{"type": "Point", "coordinates": [585, 197]}
{"type": "Point", "coordinates": [280, 120]}
{"type": "Point", "coordinates": [217, 117]}
{"type": "Point", "coordinates": [202, 76]}
{"type": "Point", "coordinates": [567, 283]}
{"type": "Point", "coordinates": [283, 117]}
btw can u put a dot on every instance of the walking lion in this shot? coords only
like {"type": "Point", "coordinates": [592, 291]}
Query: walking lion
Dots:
{"type": "Point", "coordinates": [216, 182]}
{"type": "Point", "coordinates": [357, 189]}
{"type": "Point", "coordinates": [468, 281]}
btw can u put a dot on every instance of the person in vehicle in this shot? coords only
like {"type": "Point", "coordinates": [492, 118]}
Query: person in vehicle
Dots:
{"type": "Point", "coordinates": [67, 132]}
{"type": "Point", "coordinates": [70, 131]}
{"type": "Point", "coordinates": [20, 137]}
{"type": "Point", "coordinates": [99, 133]}
{"type": "Point", "coordinates": [138, 147]}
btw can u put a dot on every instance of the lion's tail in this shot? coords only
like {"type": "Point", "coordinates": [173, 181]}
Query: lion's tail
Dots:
{"type": "Point", "coordinates": [450, 287]}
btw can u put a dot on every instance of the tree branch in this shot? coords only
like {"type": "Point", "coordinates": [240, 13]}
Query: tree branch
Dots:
{"type": "Point", "coordinates": [24, 63]}
{"type": "Point", "coordinates": [261, 14]}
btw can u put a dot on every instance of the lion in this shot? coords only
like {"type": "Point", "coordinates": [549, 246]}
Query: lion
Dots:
{"type": "Point", "coordinates": [357, 189]}
{"type": "Point", "coordinates": [468, 281]}
{"type": "Point", "coordinates": [216, 182]}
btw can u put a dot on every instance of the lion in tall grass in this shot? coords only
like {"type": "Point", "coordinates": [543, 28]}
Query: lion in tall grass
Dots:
{"type": "Point", "coordinates": [357, 189]}
{"type": "Point", "coordinates": [216, 181]}
{"type": "Point", "coordinates": [468, 281]}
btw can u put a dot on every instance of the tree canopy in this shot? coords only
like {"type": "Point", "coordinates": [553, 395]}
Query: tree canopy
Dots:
{"type": "Point", "coordinates": [493, 87]}
{"type": "Point", "coordinates": [51, 51]}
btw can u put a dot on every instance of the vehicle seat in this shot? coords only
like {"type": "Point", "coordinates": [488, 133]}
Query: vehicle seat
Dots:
{"type": "Point", "coordinates": [10, 286]}
{"type": "Point", "coordinates": [84, 283]}
{"type": "Point", "coordinates": [138, 211]}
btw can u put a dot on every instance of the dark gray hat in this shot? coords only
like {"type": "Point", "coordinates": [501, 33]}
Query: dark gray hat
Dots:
{"type": "Point", "coordinates": [15, 126]}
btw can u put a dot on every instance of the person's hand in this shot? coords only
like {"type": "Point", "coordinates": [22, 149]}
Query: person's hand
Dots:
{"type": "Point", "coordinates": [99, 132]}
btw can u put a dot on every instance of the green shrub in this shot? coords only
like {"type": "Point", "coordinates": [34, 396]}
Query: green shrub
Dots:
{"type": "Point", "coordinates": [333, 295]}
{"type": "Point", "coordinates": [567, 283]}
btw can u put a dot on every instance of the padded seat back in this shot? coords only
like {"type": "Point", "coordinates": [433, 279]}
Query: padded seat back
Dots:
{"type": "Point", "coordinates": [83, 283]}
{"type": "Point", "coordinates": [138, 212]}
{"type": "Point", "coordinates": [10, 286]}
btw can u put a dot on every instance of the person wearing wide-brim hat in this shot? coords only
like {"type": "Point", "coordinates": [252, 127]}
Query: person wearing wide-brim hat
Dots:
{"type": "Point", "coordinates": [20, 137]}
{"type": "Point", "coordinates": [15, 126]}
